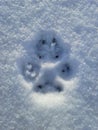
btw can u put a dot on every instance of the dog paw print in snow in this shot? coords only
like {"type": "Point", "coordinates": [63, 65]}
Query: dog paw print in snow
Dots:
{"type": "Point", "coordinates": [47, 69]}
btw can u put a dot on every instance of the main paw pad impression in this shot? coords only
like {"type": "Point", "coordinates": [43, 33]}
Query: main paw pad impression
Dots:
{"type": "Point", "coordinates": [52, 56]}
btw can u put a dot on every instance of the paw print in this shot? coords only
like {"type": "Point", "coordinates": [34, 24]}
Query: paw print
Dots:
{"type": "Point", "coordinates": [50, 47]}
{"type": "Point", "coordinates": [31, 71]}
{"type": "Point", "coordinates": [52, 61]}
{"type": "Point", "coordinates": [67, 68]}
{"type": "Point", "coordinates": [46, 83]}
{"type": "Point", "coordinates": [29, 68]}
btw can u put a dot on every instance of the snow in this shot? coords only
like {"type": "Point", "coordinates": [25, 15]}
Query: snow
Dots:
{"type": "Point", "coordinates": [39, 42]}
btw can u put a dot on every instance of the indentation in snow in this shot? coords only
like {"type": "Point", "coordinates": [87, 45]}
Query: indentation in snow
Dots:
{"type": "Point", "coordinates": [48, 68]}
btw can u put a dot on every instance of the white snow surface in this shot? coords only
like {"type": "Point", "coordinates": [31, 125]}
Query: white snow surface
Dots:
{"type": "Point", "coordinates": [74, 23]}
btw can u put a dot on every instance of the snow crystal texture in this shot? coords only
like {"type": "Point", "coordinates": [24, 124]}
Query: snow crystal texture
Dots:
{"type": "Point", "coordinates": [49, 65]}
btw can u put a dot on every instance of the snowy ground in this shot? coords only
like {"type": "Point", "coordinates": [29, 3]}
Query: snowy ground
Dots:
{"type": "Point", "coordinates": [49, 99]}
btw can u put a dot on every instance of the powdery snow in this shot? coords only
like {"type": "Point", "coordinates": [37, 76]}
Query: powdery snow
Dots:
{"type": "Point", "coordinates": [67, 100]}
